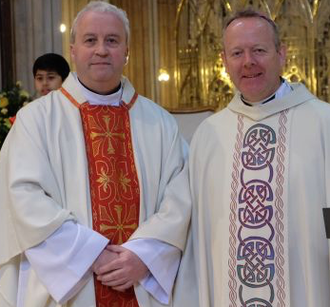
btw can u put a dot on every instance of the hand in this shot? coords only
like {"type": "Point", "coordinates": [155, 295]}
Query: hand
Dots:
{"type": "Point", "coordinates": [105, 257]}
{"type": "Point", "coordinates": [123, 272]}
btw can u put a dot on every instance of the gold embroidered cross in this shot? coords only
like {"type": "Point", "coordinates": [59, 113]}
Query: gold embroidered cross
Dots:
{"type": "Point", "coordinates": [106, 134]}
{"type": "Point", "coordinates": [121, 227]}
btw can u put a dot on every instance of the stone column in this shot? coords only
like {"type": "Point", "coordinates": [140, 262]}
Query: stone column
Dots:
{"type": "Point", "coordinates": [37, 32]}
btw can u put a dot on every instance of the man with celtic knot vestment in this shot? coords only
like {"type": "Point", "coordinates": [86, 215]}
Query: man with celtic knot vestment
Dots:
{"type": "Point", "coordinates": [94, 197]}
{"type": "Point", "coordinates": [259, 178]}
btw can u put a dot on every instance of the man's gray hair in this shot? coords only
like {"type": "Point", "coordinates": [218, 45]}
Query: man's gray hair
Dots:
{"type": "Point", "coordinates": [249, 13]}
{"type": "Point", "coordinates": [101, 7]}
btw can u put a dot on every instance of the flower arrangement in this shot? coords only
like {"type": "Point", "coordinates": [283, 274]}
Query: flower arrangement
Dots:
{"type": "Point", "coordinates": [11, 100]}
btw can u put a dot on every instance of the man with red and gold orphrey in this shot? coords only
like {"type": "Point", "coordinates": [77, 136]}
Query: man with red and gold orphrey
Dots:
{"type": "Point", "coordinates": [95, 205]}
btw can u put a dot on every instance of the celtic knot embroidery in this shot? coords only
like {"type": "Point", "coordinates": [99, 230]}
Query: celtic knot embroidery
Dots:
{"type": "Point", "coordinates": [255, 302]}
{"type": "Point", "coordinates": [255, 272]}
{"type": "Point", "coordinates": [254, 194]}
{"type": "Point", "coordinates": [255, 252]}
{"type": "Point", "coordinates": [259, 140]}
{"type": "Point", "coordinates": [256, 243]}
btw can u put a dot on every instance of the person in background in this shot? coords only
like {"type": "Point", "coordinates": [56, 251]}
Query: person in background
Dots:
{"type": "Point", "coordinates": [49, 72]}
{"type": "Point", "coordinates": [94, 202]}
{"type": "Point", "coordinates": [259, 178]}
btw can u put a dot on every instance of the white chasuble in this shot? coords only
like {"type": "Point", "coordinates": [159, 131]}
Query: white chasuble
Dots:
{"type": "Point", "coordinates": [44, 171]}
{"type": "Point", "coordinates": [259, 179]}
{"type": "Point", "coordinates": [258, 236]}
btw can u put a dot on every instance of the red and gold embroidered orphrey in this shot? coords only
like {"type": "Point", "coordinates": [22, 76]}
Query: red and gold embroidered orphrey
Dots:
{"type": "Point", "coordinates": [115, 194]}
{"type": "Point", "coordinates": [114, 184]}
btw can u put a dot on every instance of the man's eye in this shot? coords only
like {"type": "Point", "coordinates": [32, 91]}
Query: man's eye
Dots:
{"type": "Point", "coordinates": [236, 53]}
{"type": "Point", "coordinates": [112, 40]}
{"type": "Point", "coordinates": [259, 51]}
{"type": "Point", "coordinates": [90, 40]}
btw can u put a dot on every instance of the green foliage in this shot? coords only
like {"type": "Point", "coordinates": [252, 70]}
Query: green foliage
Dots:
{"type": "Point", "coordinates": [11, 100]}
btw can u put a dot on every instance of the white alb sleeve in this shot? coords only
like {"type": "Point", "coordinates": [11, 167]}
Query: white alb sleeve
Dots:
{"type": "Point", "coordinates": [162, 260]}
{"type": "Point", "coordinates": [63, 261]}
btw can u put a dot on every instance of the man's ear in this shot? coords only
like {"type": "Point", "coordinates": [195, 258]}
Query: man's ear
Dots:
{"type": "Point", "coordinates": [282, 53]}
{"type": "Point", "coordinates": [72, 53]}
{"type": "Point", "coordinates": [223, 57]}
{"type": "Point", "coordinates": [126, 56]}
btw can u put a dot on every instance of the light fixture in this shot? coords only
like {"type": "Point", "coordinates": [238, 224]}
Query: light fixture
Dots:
{"type": "Point", "coordinates": [163, 75]}
{"type": "Point", "coordinates": [62, 27]}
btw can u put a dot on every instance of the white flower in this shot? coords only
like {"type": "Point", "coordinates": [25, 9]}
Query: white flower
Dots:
{"type": "Point", "coordinates": [4, 111]}
{"type": "Point", "coordinates": [24, 94]}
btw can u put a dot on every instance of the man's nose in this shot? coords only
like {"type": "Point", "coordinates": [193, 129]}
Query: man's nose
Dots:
{"type": "Point", "coordinates": [249, 59]}
{"type": "Point", "coordinates": [101, 49]}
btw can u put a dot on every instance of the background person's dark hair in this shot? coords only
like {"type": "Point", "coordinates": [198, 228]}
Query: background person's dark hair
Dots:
{"type": "Point", "coordinates": [249, 13]}
{"type": "Point", "coordinates": [52, 62]}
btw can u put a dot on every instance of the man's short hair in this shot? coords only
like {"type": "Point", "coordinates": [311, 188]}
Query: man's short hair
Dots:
{"type": "Point", "coordinates": [250, 13]}
{"type": "Point", "coordinates": [52, 62]}
{"type": "Point", "coordinates": [101, 7]}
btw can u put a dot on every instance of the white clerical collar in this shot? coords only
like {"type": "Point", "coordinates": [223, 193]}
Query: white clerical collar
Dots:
{"type": "Point", "coordinates": [113, 99]}
{"type": "Point", "coordinates": [284, 89]}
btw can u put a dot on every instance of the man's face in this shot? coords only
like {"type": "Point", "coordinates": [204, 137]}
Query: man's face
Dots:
{"type": "Point", "coordinates": [99, 51]}
{"type": "Point", "coordinates": [251, 58]}
{"type": "Point", "coordinates": [46, 81]}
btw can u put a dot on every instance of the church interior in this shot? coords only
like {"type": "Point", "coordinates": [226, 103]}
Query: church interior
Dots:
{"type": "Point", "coordinates": [175, 48]}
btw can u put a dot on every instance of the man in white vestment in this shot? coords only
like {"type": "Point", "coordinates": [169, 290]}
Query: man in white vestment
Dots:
{"type": "Point", "coordinates": [259, 177]}
{"type": "Point", "coordinates": [94, 196]}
